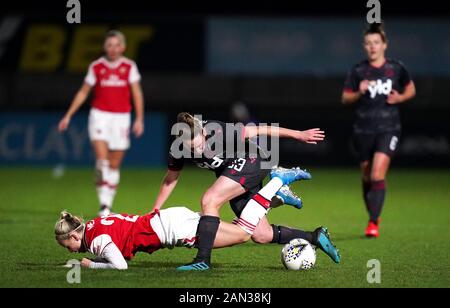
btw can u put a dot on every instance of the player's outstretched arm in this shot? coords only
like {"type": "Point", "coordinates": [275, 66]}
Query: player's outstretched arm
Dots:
{"type": "Point", "coordinates": [168, 185]}
{"type": "Point", "coordinates": [310, 136]}
{"type": "Point", "coordinates": [78, 100]}
{"type": "Point", "coordinates": [111, 258]}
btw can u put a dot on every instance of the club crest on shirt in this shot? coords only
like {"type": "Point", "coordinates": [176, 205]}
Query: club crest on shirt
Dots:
{"type": "Point", "coordinates": [122, 70]}
{"type": "Point", "coordinates": [90, 225]}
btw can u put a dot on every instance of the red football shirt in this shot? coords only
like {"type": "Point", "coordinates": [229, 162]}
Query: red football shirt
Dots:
{"type": "Point", "coordinates": [111, 82]}
{"type": "Point", "coordinates": [130, 233]}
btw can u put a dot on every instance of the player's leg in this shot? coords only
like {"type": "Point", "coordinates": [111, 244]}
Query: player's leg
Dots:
{"type": "Point", "coordinates": [267, 233]}
{"type": "Point", "coordinates": [98, 129]}
{"type": "Point", "coordinates": [101, 174]}
{"type": "Point", "coordinates": [118, 144]}
{"type": "Point", "coordinates": [256, 208]}
{"type": "Point", "coordinates": [223, 190]}
{"type": "Point", "coordinates": [320, 237]}
{"type": "Point", "coordinates": [253, 218]}
{"type": "Point", "coordinates": [365, 146]}
{"type": "Point", "coordinates": [386, 146]}
{"type": "Point", "coordinates": [230, 235]}
{"type": "Point", "coordinates": [253, 213]}
{"type": "Point", "coordinates": [260, 203]}
{"type": "Point", "coordinates": [366, 169]}
{"type": "Point", "coordinates": [115, 159]}
{"type": "Point", "coordinates": [253, 205]}
{"type": "Point", "coordinates": [178, 226]}
{"type": "Point", "coordinates": [377, 192]}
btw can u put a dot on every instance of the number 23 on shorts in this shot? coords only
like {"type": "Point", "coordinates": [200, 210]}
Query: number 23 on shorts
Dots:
{"type": "Point", "coordinates": [238, 164]}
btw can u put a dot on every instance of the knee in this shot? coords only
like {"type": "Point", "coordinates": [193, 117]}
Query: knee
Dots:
{"type": "Point", "coordinates": [262, 237]}
{"type": "Point", "coordinates": [210, 201]}
{"type": "Point", "coordinates": [377, 176]}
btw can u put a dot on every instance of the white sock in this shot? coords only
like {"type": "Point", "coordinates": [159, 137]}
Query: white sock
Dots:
{"type": "Point", "coordinates": [258, 206]}
{"type": "Point", "coordinates": [102, 170]}
{"type": "Point", "coordinates": [113, 182]}
{"type": "Point", "coordinates": [103, 195]}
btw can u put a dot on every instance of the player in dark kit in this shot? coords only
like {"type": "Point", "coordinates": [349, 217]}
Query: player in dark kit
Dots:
{"type": "Point", "coordinates": [376, 87]}
{"type": "Point", "coordinates": [239, 180]}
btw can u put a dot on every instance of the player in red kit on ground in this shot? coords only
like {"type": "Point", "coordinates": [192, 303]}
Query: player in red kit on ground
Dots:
{"type": "Point", "coordinates": [376, 87]}
{"type": "Point", "coordinates": [115, 239]}
{"type": "Point", "coordinates": [115, 80]}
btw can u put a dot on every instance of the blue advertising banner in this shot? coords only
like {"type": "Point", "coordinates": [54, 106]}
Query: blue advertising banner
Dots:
{"type": "Point", "coordinates": [33, 139]}
{"type": "Point", "coordinates": [320, 46]}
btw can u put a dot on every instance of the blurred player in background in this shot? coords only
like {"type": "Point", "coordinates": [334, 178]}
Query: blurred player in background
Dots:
{"type": "Point", "coordinates": [376, 87]}
{"type": "Point", "coordinates": [113, 77]}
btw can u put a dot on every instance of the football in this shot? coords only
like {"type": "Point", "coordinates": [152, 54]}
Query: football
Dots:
{"type": "Point", "coordinates": [298, 254]}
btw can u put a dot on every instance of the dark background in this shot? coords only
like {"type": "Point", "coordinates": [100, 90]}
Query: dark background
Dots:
{"type": "Point", "coordinates": [177, 75]}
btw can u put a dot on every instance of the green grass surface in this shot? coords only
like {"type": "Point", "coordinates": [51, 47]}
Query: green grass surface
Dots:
{"type": "Point", "coordinates": [414, 247]}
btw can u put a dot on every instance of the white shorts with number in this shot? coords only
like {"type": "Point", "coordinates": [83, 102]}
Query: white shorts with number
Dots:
{"type": "Point", "coordinates": [111, 127]}
{"type": "Point", "coordinates": [176, 227]}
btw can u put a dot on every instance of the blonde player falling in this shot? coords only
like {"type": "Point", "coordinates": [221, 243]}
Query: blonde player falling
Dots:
{"type": "Point", "coordinates": [114, 79]}
{"type": "Point", "coordinates": [114, 239]}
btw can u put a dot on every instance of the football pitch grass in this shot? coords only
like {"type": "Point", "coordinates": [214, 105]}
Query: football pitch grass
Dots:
{"type": "Point", "coordinates": [413, 250]}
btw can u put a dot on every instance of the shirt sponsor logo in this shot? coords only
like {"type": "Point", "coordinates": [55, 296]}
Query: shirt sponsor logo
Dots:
{"type": "Point", "coordinates": [113, 81]}
{"type": "Point", "coordinates": [378, 87]}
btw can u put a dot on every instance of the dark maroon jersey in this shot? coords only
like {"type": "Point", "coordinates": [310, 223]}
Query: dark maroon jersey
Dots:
{"type": "Point", "coordinates": [373, 113]}
{"type": "Point", "coordinates": [233, 145]}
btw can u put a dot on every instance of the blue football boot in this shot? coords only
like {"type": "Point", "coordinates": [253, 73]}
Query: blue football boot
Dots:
{"type": "Point", "coordinates": [286, 196]}
{"type": "Point", "coordinates": [323, 241]}
{"type": "Point", "coordinates": [289, 176]}
{"type": "Point", "coordinates": [195, 266]}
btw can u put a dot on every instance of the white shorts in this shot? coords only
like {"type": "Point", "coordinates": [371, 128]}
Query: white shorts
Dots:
{"type": "Point", "coordinates": [176, 227]}
{"type": "Point", "coordinates": [111, 127]}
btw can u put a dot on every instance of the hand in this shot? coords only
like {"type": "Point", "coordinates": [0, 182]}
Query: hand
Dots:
{"type": "Point", "coordinates": [363, 86]}
{"type": "Point", "coordinates": [63, 124]}
{"type": "Point", "coordinates": [85, 263]}
{"type": "Point", "coordinates": [138, 128]}
{"type": "Point", "coordinates": [394, 98]}
{"type": "Point", "coordinates": [311, 136]}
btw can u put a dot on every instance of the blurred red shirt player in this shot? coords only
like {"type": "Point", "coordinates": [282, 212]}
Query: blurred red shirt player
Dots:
{"type": "Point", "coordinates": [115, 80]}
